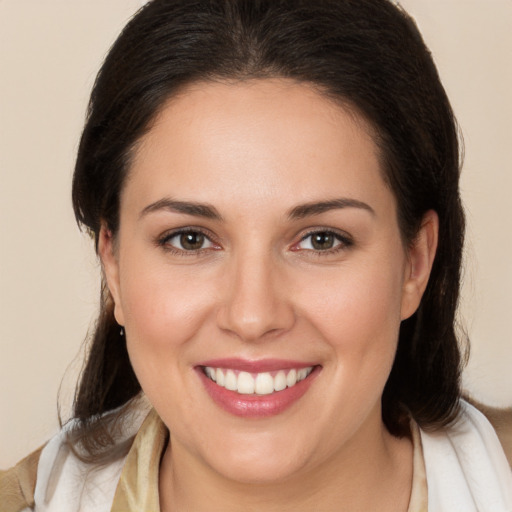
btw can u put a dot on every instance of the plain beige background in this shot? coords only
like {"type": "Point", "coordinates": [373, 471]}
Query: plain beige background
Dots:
{"type": "Point", "coordinates": [50, 51]}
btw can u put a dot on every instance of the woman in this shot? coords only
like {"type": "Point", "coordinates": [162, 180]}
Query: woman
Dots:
{"type": "Point", "coordinates": [273, 191]}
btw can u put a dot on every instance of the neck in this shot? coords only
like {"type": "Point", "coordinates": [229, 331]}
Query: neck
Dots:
{"type": "Point", "coordinates": [372, 472]}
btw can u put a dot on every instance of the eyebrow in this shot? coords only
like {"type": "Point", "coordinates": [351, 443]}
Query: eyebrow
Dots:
{"type": "Point", "coordinates": [310, 209]}
{"type": "Point", "coordinates": [188, 207]}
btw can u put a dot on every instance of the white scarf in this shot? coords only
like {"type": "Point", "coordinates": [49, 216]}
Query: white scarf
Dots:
{"type": "Point", "coordinates": [466, 468]}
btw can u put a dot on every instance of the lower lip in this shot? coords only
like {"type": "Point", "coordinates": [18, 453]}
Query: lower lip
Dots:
{"type": "Point", "coordinates": [256, 406]}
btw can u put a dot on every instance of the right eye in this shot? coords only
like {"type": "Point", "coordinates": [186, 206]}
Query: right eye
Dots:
{"type": "Point", "coordinates": [187, 241]}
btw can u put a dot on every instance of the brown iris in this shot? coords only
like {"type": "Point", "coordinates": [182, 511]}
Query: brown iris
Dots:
{"type": "Point", "coordinates": [322, 241]}
{"type": "Point", "coordinates": [192, 241]}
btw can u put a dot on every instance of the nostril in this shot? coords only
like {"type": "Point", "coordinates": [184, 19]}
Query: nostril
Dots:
{"type": "Point", "coordinates": [255, 306]}
{"type": "Point", "coordinates": [254, 327]}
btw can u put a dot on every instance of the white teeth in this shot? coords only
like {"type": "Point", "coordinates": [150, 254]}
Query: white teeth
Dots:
{"type": "Point", "coordinates": [231, 381]}
{"type": "Point", "coordinates": [245, 383]}
{"type": "Point", "coordinates": [280, 381]}
{"type": "Point", "coordinates": [291, 378]}
{"type": "Point", "coordinates": [263, 383]}
{"type": "Point", "coordinates": [302, 373]}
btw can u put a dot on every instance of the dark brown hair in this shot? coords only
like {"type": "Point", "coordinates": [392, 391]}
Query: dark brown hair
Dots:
{"type": "Point", "coordinates": [367, 54]}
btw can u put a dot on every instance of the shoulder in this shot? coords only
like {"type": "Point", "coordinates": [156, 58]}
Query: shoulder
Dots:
{"type": "Point", "coordinates": [66, 482]}
{"type": "Point", "coordinates": [54, 478]}
{"type": "Point", "coordinates": [501, 420]}
{"type": "Point", "coordinates": [466, 466]}
{"type": "Point", "coordinates": [17, 485]}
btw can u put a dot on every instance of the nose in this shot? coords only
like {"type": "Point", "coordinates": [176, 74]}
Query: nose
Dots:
{"type": "Point", "coordinates": [255, 303]}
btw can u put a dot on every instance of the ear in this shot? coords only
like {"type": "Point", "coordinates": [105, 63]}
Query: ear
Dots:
{"type": "Point", "coordinates": [421, 254]}
{"type": "Point", "coordinates": [110, 264]}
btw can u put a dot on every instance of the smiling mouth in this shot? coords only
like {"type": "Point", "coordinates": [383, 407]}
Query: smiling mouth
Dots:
{"type": "Point", "coordinates": [265, 383]}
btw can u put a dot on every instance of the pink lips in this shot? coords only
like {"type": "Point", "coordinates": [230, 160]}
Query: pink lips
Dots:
{"type": "Point", "coordinates": [256, 406]}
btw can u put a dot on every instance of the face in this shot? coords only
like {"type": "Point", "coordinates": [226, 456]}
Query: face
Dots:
{"type": "Point", "coordinates": [261, 277]}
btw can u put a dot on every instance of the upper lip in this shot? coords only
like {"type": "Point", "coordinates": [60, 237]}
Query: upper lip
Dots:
{"type": "Point", "coordinates": [256, 366]}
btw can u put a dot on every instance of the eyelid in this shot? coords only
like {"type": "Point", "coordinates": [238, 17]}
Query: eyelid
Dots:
{"type": "Point", "coordinates": [163, 239]}
{"type": "Point", "coordinates": [343, 237]}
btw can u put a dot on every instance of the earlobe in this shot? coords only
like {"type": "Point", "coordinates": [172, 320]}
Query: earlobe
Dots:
{"type": "Point", "coordinates": [421, 256]}
{"type": "Point", "coordinates": [110, 265]}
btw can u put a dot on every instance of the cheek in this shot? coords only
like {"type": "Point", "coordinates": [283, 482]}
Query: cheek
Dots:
{"type": "Point", "coordinates": [162, 305]}
{"type": "Point", "coordinates": [355, 303]}
{"type": "Point", "coordinates": [367, 348]}
{"type": "Point", "coordinates": [164, 310]}
{"type": "Point", "coordinates": [357, 311]}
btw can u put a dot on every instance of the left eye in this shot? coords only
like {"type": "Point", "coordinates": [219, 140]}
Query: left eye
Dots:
{"type": "Point", "coordinates": [321, 241]}
{"type": "Point", "coordinates": [189, 241]}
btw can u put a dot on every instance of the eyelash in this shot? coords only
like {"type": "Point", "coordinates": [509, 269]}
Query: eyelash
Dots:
{"type": "Point", "coordinates": [345, 242]}
{"type": "Point", "coordinates": [163, 241]}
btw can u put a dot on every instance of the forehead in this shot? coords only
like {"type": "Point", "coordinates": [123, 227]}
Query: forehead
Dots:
{"type": "Point", "coordinates": [259, 138]}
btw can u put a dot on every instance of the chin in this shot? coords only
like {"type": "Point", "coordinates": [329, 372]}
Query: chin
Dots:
{"type": "Point", "coordinates": [258, 470]}
{"type": "Point", "coordinates": [267, 459]}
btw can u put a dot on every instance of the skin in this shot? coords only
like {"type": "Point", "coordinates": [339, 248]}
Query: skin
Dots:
{"type": "Point", "coordinates": [257, 289]}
